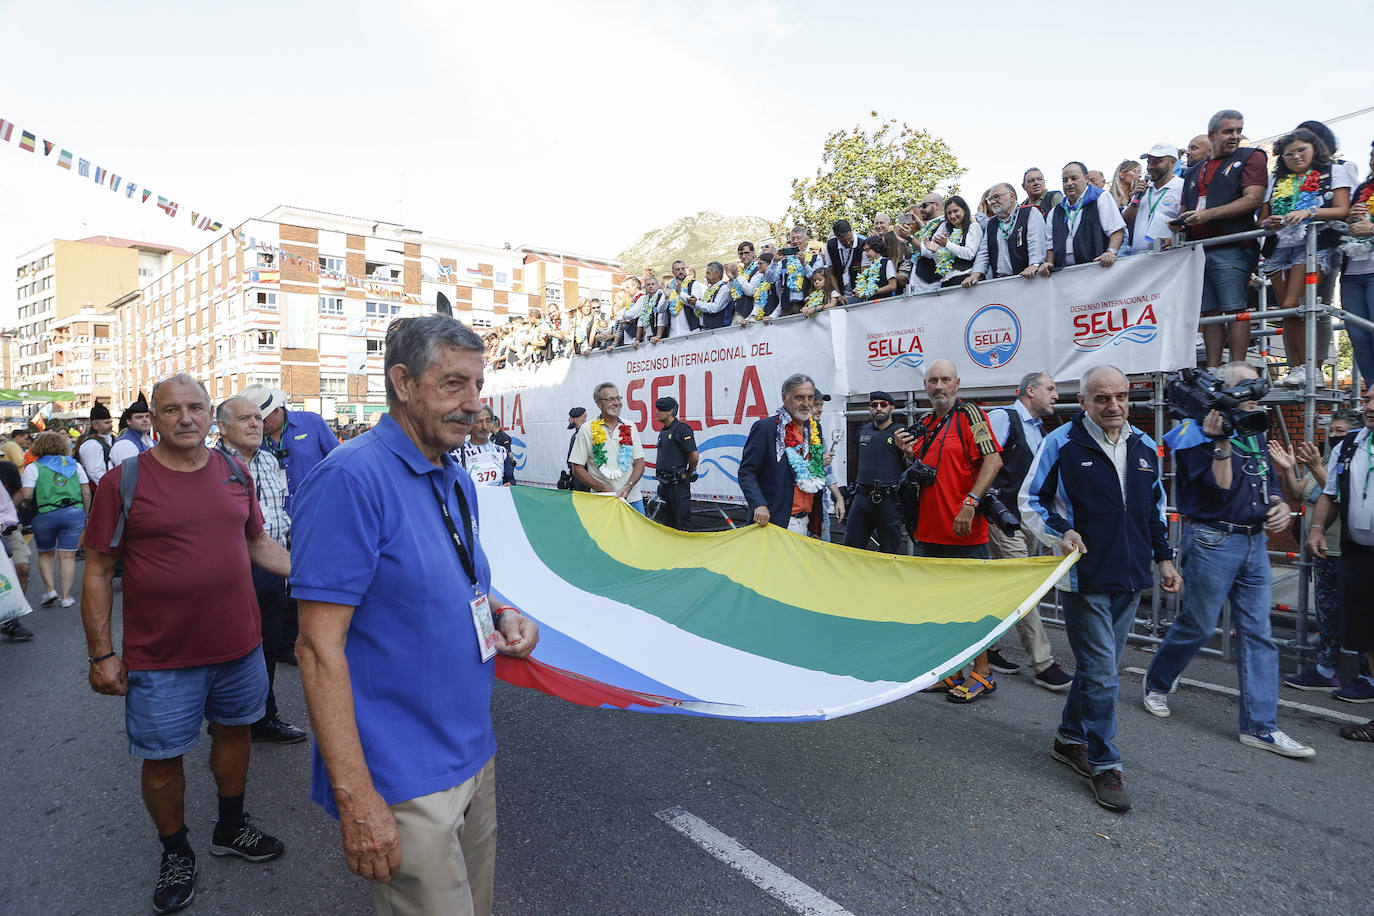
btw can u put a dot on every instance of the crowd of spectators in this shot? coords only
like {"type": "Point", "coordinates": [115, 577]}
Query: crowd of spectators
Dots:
{"type": "Point", "coordinates": [1218, 184]}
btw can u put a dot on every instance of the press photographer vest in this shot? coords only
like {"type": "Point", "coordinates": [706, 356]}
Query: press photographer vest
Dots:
{"type": "Point", "coordinates": [1020, 248]}
{"type": "Point", "coordinates": [1016, 458]}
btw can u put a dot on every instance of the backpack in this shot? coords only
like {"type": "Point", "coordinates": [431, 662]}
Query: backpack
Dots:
{"type": "Point", "coordinates": [128, 484]}
{"type": "Point", "coordinates": [54, 490]}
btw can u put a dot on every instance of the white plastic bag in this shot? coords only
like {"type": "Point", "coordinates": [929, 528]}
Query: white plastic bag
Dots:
{"type": "Point", "coordinates": [12, 601]}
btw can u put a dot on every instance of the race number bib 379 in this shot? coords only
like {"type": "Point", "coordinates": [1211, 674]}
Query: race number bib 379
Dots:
{"type": "Point", "coordinates": [487, 475]}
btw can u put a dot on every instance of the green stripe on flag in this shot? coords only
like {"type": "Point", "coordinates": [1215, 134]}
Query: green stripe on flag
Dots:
{"type": "Point", "coordinates": [713, 607]}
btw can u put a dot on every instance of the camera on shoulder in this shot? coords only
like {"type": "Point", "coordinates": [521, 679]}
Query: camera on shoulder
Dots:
{"type": "Point", "coordinates": [1194, 393]}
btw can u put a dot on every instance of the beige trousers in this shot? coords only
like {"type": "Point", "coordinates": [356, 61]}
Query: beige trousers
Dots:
{"type": "Point", "coordinates": [448, 852]}
{"type": "Point", "coordinates": [1030, 628]}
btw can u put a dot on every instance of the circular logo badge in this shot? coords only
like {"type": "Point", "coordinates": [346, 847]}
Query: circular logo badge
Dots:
{"type": "Point", "coordinates": [992, 336]}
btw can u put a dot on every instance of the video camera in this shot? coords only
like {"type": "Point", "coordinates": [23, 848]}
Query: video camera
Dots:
{"type": "Point", "coordinates": [1194, 393]}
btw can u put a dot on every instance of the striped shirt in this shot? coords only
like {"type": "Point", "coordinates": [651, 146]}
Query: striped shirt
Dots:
{"type": "Point", "coordinates": [269, 480]}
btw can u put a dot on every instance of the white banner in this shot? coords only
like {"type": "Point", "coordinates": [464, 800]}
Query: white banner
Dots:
{"type": "Point", "coordinates": [723, 382]}
{"type": "Point", "coordinates": [1140, 314]}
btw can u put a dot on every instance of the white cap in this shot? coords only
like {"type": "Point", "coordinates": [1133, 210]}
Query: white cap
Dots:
{"type": "Point", "coordinates": [1160, 150]}
{"type": "Point", "coordinates": [267, 399]}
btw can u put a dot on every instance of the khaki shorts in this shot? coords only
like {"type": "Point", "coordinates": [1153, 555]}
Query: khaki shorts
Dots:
{"type": "Point", "coordinates": [19, 546]}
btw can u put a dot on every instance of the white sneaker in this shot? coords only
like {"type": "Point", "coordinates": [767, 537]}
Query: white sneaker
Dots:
{"type": "Point", "coordinates": [1279, 743]}
{"type": "Point", "coordinates": [48, 599]}
{"type": "Point", "coordinates": [68, 601]}
{"type": "Point", "coordinates": [1295, 379]}
{"type": "Point", "coordinates": [1156, 704]}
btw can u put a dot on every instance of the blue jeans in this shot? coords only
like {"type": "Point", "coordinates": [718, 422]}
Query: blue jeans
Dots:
{"type": "Point", "coordinates": [1217, 565]}
{"type": "Point", "coordinates": [1357, 298]}
{"type": "Point", "coordinates": [1226, 279]}
{"type": "Point", "coordinates": [165, 706]}
{"type": "Point", "coordinates": [1097, 625]}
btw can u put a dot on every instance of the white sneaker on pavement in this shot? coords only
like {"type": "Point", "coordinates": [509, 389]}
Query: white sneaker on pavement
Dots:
{"type": "Point", "coordinates": [1156, 704]}
{"type": "Point", "coordinates": [1279, 743]}
{"type": "Point", "coordinates": [48, 599]}
{"type": "Point", "coordinates": [67, 601]}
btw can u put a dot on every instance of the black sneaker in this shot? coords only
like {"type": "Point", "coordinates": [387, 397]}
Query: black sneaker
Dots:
{"type": "Point", "coordinates": [246, 842]}
{"type": "Point", "coordinates": [1053, 678]}
{"type": "Point", "coordinates": [273, 729]}
{"type": "Point", "coordinates": [1110, 792]}
{"type": "Point", "coordinates": [176, 882]}
{"type": "Point", "coordinates": [999, 664]}
{"type": "Point", "coordinates": [1074, 756]}
{"type": "Point", "coordinates": [14, 631]}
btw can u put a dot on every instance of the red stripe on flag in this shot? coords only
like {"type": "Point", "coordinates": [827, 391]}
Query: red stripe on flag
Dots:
{"type": "Point", "coordinates": [575, 688]}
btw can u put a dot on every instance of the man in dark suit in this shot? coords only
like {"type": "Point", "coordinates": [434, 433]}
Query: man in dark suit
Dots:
{"type": "Point", "coordinates": [844, 253]}
{"type": "Point", "coordinates": [773, 489]}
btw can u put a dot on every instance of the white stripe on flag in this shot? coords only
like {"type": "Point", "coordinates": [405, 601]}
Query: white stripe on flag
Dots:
{"type": "Point", "coordinates": [794, 894]}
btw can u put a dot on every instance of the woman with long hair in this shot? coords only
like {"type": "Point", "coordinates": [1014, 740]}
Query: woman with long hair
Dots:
{"type": "Point", "coordinates": [1357, 279]}
{"type": "Point", "coordinates": [1123, 182]}
{"type": "Point", "coordinates": [955, 243]}
{"type": "Point", "coordinates": [61, 492]}
{"type": "Point", "coordinates": [1303, 188]}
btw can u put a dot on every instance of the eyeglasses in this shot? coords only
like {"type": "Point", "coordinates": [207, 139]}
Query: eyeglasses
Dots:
{"type": "Point", "coordinates": [998, 196]}
{"type": "Point", "coordinates": [1296, 153]}
{"type": "Point", "coordinates": [878, 404]}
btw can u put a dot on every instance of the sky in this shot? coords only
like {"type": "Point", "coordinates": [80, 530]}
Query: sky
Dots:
{"type": "Point", "coordinates": [582, 126]}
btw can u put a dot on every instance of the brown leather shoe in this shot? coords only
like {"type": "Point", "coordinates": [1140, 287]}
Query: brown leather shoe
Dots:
{"type": "Point", "coordinates": [1110, 792]}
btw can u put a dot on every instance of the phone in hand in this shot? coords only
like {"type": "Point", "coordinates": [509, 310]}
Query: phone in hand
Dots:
{"type": "Point", "coordinates": [788, 251]}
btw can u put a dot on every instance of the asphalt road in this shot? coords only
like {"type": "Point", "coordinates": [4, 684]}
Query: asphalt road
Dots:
{"type": "Point", "coordinates": [920, 806]}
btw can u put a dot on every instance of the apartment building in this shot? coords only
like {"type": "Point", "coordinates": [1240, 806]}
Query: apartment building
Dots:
{"type": "Point", "coordinates": [62, 335]}
{"type": "Point", "coordinates": [300, 300]}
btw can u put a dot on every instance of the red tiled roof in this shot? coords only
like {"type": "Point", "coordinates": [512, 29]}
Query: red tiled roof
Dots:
{"type": "Point", "coordinates": [116, 242]}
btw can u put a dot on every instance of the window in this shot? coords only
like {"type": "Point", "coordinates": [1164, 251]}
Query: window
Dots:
{"type": "Point", "coordinates": [331, 305]}
{"type": "Point", "coordinates": [266, 381]}
{"type": "Point", "coordinates": [332, 264]}
{"type": "Point", "coordinates": [376, 346]}
{"type": "Point", "coordinates": [334, 384]}
{"type": "Point", "coordinates": [266, 340]}
{"type": "Point", "coordinates": [502, 277]}
{"type": "Point", "coordinates": [484, 322]}
{"type": "Point", "coordinates": [384, 273]}
{"type": "Point", "coordinates": [266, 260]}
{"type": "Point", "coordinates": [266, 300]}
{"type": "Point", "coordinates": [382, 309]}
{"type": "Point", "coordinates": [145, 271]}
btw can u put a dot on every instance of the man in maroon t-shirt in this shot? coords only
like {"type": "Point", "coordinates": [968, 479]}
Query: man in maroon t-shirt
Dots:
{"type": "Point", "coordinates": [192, 644]}
{"type": "Point", "coordinates": [960, 445]}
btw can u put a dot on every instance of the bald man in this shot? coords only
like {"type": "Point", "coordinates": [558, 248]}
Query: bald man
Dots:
{"type": "Point", "coordinates": [1094, 487]}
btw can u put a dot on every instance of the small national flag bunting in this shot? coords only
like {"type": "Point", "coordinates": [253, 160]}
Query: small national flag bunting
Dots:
{"type": "Point", "coordinates": [114, 181]}
{"type": "Point", "coordinates": [167, 206]}
{"type": "Point", "coordinates": [146, 195]}
{"type": "Point", "coordinates": [47, 147]}
{"type": "Point", "coordinates": [129, 190]}
{"type": "Point", "coordinates": [216, 226]}
{"type": "Point", "coordinates": [6, 129]}
{"type": "Point", "coordinates": [26, 141]}
{"type": "Point", "coordinates": [64, 160]}
{"type": "Point", "coordinates": [99, 176]}
{"type": "Point", "coordinates": [83, 168]}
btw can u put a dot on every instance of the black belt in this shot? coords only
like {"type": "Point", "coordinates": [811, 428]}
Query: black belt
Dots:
{"type": "Point", "coordinates": [801, 514]}
{"type": "Point", "coordinates": [1234, 529]}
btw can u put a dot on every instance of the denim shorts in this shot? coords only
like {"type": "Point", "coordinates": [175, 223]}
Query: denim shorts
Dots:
{"type": "Point", "coordinates": [164, 707]}
{"type": "Point", "coordinates": [1295, 256]}
{"type": "Point", "coordinates": [1226, 279]}
{"type": "Point", "coordinates": [60, 529]}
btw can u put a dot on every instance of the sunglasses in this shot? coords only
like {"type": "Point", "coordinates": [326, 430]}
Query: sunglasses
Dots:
{"type": "Point", "coordinates": [879, 404]}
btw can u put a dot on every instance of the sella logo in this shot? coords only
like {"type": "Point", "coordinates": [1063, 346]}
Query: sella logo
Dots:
{"type": "Point", "coordinates": [896, 348]}
{"type": "Point", "coordinates": [1115, 323]}
{"type": "Point", "coordinates": [992, 336]}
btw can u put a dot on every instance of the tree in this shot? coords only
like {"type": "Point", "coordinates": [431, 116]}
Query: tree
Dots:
{"type": "Point", "coordinates": [863, 174]}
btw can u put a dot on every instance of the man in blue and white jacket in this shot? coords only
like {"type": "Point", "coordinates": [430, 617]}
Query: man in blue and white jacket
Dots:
{"type": "Point", "coordinates": [1094, 487]}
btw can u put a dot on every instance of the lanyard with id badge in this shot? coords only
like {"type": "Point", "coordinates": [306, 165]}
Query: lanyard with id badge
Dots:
{"type": "Point", "coordinates": [482, 623]}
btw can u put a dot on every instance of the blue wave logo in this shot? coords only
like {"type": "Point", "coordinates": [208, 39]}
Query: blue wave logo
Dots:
{"type": "Point", "coordinates": [1139, 334]}
{"type": "Point", "coordinates": [719, 454]}
{"type": "Point", "coordinates": [517, 452]}
{"type": "Point", "coordinates": [992, 336]}
{"type": "Point", "coordinates": [911, 360]}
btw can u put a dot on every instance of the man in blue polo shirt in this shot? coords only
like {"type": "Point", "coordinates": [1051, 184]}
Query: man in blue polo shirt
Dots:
{"type": "Point", "coordinates": [397, 637]}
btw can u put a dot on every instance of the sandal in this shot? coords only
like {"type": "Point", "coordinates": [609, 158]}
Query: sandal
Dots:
{"type": "Point", "coordinates": [965, 694]}
{"type": "Point", "coordinates": [1363, 732]}
{"type": "Point", "coordinates": [944, 686]}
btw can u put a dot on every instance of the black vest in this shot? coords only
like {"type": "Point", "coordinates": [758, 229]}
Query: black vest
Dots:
{"type": "Point", "coordinates": [832, 249]}
{"type": "Point", "coordinates": [1016, 458]}
{"type": "Point", "coordinates": [1020, 247]}
{"type": "Point", "coordinates": [1088, 242]}
{"type": "Point", "coordinates": [880, 460]}
{"type": "Point", "coordinates": [925, 267]}
{"type": "Point", "coordinates": [1224, 188]}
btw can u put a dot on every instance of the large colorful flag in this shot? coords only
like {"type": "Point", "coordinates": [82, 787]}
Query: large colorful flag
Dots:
{"type": "Point", "coordinates": [755, 623]}
{"type": "Point", "coordinates": [6, 130]}
{"type": "Point", "coordinates": [26, 141]}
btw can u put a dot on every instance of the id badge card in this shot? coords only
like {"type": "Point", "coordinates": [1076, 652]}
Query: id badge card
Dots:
{"type": "Point", "coordinates": [482, 623]}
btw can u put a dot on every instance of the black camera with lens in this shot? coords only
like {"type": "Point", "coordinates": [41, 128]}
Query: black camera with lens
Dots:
{"type": "Point", "coordinates": [1194, 393]}
{"type": "Point", "coordinates": [997, 513]}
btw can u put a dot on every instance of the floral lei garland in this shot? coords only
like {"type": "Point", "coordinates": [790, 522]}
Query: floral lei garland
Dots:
{"type": "Point", "coordinates": [867, 284]}
{"type": "Point", "coordinates": [806, 457]}
{"type": "Point", "coordinates": [1296, 192]}
{"type": "Point", "coordinates": [710, 294]}
{"type": "Point", "coordinates": [761, 292]}
{"type": "Point", "coordinates": [795, 276]}
{"type": "Point", "coordinates": [815, 300]}
{"type": "Point", "coordinates": [737, 291]}
{"type": "Point", "coordinates": [650, 306]}
{"type": "Point", "coordinates": [675, 297]}
{"type": "Point", "coordinates": [1364, 200]}
{"type": "Point", "coordinates": [944, 261]}
{"type": "Point", "coordinates": [624, 456]}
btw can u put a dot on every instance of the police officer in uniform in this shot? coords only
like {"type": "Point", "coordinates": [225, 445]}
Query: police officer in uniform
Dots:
{"type": "Point", "coordinates": [874, 508]}
{"type": "Point", "coordinates": [676, 464]}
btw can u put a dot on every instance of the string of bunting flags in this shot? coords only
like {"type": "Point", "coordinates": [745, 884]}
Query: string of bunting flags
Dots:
{"type": "Point", "coordinates": [338, 278]}
{"type": "Point", "coordinates": [84, 168]}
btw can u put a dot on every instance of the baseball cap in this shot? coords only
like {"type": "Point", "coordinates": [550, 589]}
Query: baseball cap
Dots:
{"type": "Point", "coordinates": [665, 403]}
{"type": "Point", "coordinates": [1161, 150]}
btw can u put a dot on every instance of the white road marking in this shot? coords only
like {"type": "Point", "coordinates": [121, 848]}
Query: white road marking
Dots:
{"type": "Point", "coordinates": [772, 880]}
{"type": "Point", "coordinates": [1287, 704]}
